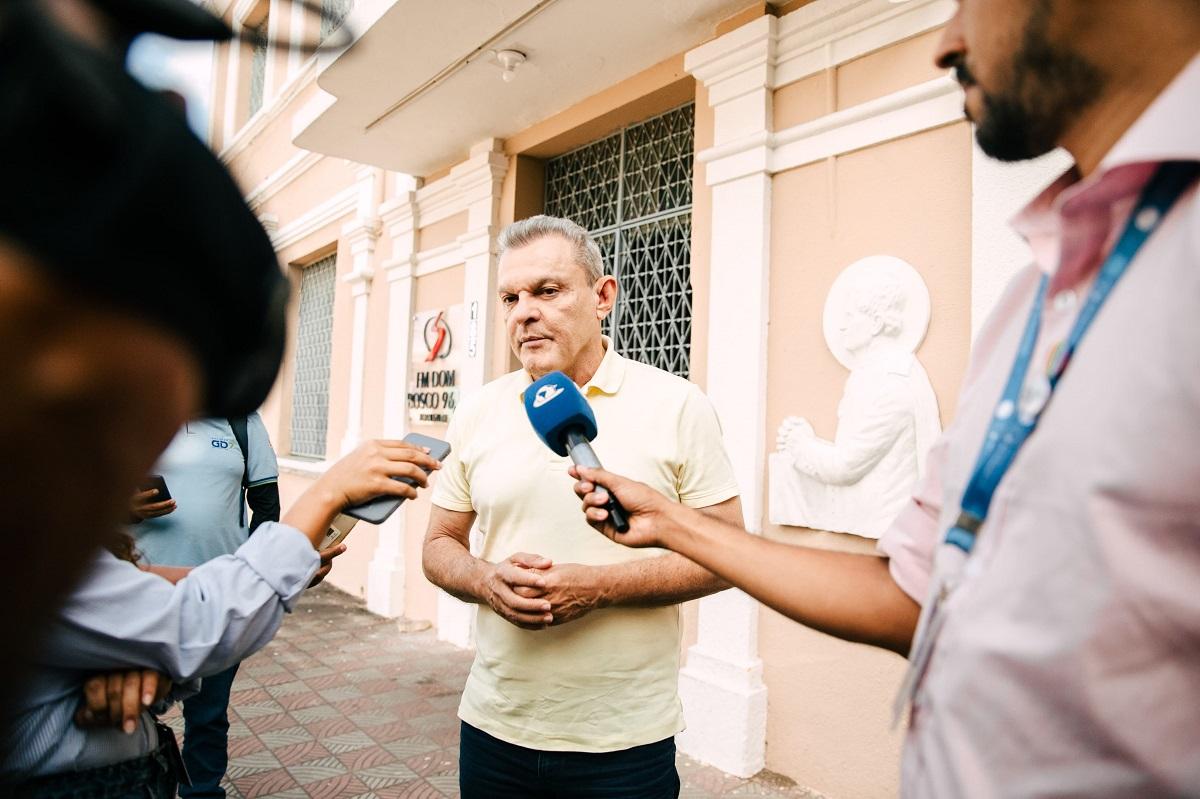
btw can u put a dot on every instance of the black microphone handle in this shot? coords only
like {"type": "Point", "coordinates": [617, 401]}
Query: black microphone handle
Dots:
{"type": "Point", "coordinates": [581, 452]}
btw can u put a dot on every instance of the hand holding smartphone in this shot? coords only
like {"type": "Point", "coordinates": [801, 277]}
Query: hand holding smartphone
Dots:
{"type": "Point", "coordinates": [156, 482]}
{"type": "Point", "coordinates": [376, 511]}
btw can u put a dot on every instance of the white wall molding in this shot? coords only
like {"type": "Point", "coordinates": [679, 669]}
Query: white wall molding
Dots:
{"type": "Point", "coordinates": [295, 26]}
{"type": "Point", "coordinates": [827, 33]}
{"type": "Point", "coordinates": [439, 200]}
{"type": "Point", "coordinates": [270, 111]}
{"type": "Point", "coordinates": [911, 110]}
{"type": "Point", "coordinates": [902, 113]}
{"type": "Point", "coordinates": [438, 258]}
{"type": "Point", "coordinates": [282, 177]}
{"type": "Point", "coordinates": [313, 220]}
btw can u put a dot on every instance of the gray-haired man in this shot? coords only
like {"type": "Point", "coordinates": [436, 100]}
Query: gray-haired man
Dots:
{"type": "Point", "coordinates": [587, 709]}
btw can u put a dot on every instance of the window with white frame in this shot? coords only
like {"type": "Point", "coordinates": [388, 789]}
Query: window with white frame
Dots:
{"type": "Point", "coordinates": [632, 191]}
{"type": "Point", "coordinates": [314, 350]}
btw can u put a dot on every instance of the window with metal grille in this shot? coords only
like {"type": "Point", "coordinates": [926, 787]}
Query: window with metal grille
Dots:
{"type": "Point", "coordinates": [314, 348]}
{"type": "Point", "coordinates": [333, 14]}
{"type": "Point", "coordinates": [258, 68]}
{"type": "Point", "coordinates": [633, 192]}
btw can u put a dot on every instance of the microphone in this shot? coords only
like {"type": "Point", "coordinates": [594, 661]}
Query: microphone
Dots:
{"type": "Point", "coordinates": [564, 421]}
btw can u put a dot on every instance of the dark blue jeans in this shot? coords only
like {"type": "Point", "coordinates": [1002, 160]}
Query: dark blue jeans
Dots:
{"type": "Point", "coordinates": [489, 768]}
{"type": "Point", "coordinates": [206, 736]}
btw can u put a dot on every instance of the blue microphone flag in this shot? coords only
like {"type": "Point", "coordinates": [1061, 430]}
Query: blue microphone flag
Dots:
{"type": "Point", "coordinates": [554, 406]}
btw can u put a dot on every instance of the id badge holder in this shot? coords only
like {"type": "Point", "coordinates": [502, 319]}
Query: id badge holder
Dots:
{"type": "Point", "coordinates": [949, 566]}
{"type": "Point", "coordinates": [918, 660]}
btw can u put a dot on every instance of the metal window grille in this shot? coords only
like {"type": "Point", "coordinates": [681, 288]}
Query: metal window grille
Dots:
{"type": "Point", "coordinates": [314, 349]}
{"type": "Point", "coordinates": [633, 192]}
{"type": "Point", "coordinates": [258, 68]}
{"type": "Point", "coordinates": [333, 14]}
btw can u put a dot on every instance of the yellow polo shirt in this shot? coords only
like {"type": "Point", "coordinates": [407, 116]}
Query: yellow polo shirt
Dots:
{"type": "Point", "coordinates": [607, 681]}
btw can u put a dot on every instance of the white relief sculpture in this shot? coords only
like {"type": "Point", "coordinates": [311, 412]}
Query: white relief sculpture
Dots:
{"type": "Point", "coordinates": [876, 316]}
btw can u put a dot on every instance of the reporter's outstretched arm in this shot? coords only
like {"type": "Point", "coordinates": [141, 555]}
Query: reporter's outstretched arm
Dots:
{"type": "Point", "coordinates": [846, 595]}
{"type": "Point", "coordinates": [364, 474]}
{"type": "Point", "coordinates": [231, 606]}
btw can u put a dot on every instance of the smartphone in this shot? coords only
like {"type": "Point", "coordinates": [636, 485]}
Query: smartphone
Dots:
{"type": "Point", "coordinates": [377, 510]}
{"type": "Point", "coordinates": [157, 482]}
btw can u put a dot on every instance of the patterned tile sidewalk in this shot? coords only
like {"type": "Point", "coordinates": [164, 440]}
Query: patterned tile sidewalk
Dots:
{"type": "Point", "coordinates": [343, 704]}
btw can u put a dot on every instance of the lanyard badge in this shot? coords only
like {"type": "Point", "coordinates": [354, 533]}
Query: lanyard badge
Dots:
{"type": "Point", "coordinates": [1020, 407]}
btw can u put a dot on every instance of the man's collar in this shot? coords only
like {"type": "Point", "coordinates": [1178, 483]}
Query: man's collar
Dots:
{"type": "Point", "coordinates": [1168, 130]}
{"type": "Point", "coordinates": [610, 373]}
{"type": "Point", "coordinates": [607, 379]}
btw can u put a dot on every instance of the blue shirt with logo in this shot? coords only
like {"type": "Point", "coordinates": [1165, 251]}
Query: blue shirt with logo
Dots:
{"type": "Point", "coordinates": [203, 468]}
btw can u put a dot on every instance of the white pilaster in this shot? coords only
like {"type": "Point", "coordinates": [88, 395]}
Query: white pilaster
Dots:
{"type": "Point", "coordinates": [296, 37]}
{"type": "Point", "coordinates": [477, 183]}
{"type": "Point", "coordinates": [271, 83]}
{"type": "Point", "coordinates": [385, 574]}
{"type": "Point", "coordinates": [360, 235]}
{"type": "Point", "coordinates": [724, 698]}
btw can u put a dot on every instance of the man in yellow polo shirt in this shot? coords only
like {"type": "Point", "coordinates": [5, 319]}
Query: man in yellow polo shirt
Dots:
{"type": "Point", "coordinates": [573, 692]}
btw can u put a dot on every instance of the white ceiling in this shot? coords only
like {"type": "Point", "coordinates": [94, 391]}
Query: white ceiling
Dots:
{"type": "Point", "coordinates": [377, 112]}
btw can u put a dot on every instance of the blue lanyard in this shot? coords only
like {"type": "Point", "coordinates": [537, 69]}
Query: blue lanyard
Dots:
{"type": "Point", "coordinates": [1021, 405]}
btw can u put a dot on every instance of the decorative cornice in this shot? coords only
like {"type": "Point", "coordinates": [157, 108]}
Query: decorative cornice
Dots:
{"type": "Point", "coordinates": [437, 259]}
{"type": "Point", "coordinates": [771, 53]}
{"type": "Point", "coordinates": [281, 178]}
{"type": "Point", "coordinates": [362, 234]}
{"type": "Point", "coordinates": [827, 33]}
{"type": "Point", "coordinates": [333, 209]}
{"type": "Point", "coordinates": [270, 111]}
{"type": "Point", "coordinates": [741, 50]}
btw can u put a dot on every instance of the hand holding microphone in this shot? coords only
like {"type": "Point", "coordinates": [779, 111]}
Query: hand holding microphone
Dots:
{"type": "Point", "coordinates": [563, 420]}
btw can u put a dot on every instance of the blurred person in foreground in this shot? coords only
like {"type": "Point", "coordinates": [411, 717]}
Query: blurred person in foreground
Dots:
{"type": "Point", "coordinates": [109, 270]}
{"type": "Point", "coordinates": [123, 617]}
{"type": "Point", "coordinates": [1052, 552]}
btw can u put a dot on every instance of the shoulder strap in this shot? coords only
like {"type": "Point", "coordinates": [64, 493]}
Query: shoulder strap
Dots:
{"type": "Point", "coordinates": [238, 425]}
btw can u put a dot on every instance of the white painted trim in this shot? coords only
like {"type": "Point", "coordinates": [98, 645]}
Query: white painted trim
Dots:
{"type": "Point", "coordinates": [438, 258]}
{"type": "Point", "coordinates": [272, 107]}
{"type": "Point", "coordinates": [232, 92]}
{"type": "Point", "coordinates": [815, 37]}
{"type": "Point", "coordinates": [903, 113]}
{"type": "Point", "coordinates": [305, 468]}
{"type": "Point", "coordinates": [911, 110]}
{"type": "Point", "coordinates": [294, 26]}
{"type": "Point", "coordinates": [333, 209]}
{"type": "Point", "coordinates": [269, 86]}
{"type": "Point", "coordinates": [282, 177]}
{"type": "Point", "coordinates": [440, 200]}
{"type": "Point", "coordinates": [825, 34]}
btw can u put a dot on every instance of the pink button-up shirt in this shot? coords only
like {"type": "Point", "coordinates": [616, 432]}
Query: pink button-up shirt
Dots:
{"type": "Point", "coordinates": [1069, 659]}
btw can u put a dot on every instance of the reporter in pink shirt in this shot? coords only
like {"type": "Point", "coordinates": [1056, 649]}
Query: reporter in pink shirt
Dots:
{"type": "Point", "coordinates": [1059, 649]}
